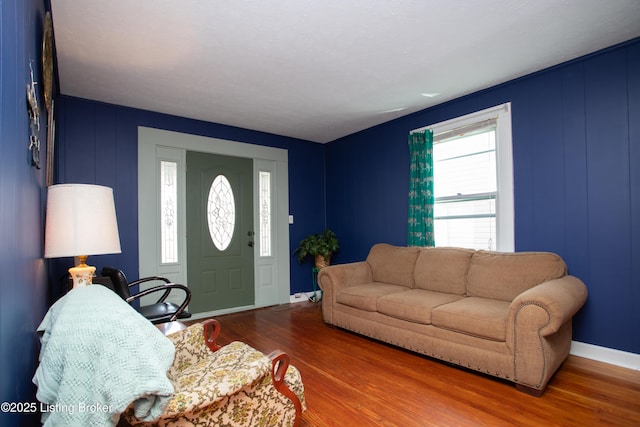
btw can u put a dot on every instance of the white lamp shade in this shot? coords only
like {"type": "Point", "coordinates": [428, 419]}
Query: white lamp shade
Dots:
{"type": "Point", "coordinates": [81, 220]}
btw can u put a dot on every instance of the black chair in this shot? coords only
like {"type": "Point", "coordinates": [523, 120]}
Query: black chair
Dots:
{"type": "Point", "coordinates": [159, 312]}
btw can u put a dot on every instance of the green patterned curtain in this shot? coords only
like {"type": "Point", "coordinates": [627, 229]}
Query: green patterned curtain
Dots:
{"type": "Point", "coordinates": [420, 227]}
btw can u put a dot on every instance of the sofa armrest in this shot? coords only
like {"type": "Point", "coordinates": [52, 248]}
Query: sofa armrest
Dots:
{"type": "Point", "coordinates": [559, 298]}
{"type": "Point", "coordinates": [333, 278]}
{"type": "Point", "coordinates": [539, 330]}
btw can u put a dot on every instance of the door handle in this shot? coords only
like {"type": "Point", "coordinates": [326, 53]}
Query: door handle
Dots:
{"type": "Point", "coordinates": [250, 243]}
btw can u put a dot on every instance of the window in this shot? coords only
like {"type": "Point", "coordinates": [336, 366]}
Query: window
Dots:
{"type": "Point", "coordinates": [264, 231]}
{"type": "Point", "coordinates": [221, 212]}
{"type": "Point", "coordinates": [473, 181]}
{"type": "Point", "coordinates": [168, 208]}
{"type": "Point", "coordinates": [465, 188]}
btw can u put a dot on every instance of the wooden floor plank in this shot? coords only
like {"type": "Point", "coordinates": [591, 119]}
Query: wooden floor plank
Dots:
{"type": "Point", "coordinates": [352, 380]}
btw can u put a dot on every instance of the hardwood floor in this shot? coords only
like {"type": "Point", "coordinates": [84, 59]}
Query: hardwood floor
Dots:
{"type": "Point", "coordinates": [351, 380]}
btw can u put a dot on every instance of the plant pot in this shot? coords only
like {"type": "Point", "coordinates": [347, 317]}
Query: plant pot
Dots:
{"type": "Point", "coordinates": [322, 261]}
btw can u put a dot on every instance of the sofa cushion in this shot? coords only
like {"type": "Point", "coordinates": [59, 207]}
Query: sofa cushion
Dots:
{"type": "Point", "coordinates": [504, 276]}
{"type": "Point", "coordinates": [393, 264]}
{"type": "Point", "coordinates": [443, 269]}
{"type": "Point", "coordinates": [414, 305]}
{"type": "Point", "coordinates": [364, 297]}
{"type": "Point", "coordinates": [481, 317]}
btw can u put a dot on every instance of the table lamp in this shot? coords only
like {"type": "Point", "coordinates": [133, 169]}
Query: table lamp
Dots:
{"type": "Point", "coordinates": [81, 221]}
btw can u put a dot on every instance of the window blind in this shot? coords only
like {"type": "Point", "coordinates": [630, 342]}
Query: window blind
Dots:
{"type": "Point", "coordinates": [467, 130]}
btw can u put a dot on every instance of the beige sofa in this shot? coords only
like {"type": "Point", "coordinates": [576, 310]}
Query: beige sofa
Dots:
{"type": "Point", "coordinates": [503, 314]}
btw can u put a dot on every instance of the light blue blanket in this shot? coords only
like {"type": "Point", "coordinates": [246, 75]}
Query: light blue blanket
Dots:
{"type": "Point", "coordinates": [99, 355]}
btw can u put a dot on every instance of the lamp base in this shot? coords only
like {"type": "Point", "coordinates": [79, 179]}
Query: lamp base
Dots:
{"type": "Point", "coordinates": [82, 275]}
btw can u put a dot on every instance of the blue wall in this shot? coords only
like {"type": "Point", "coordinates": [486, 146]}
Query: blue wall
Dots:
{"type": "Point", "coordinates": [98, 144]}
{"type": "Point", "coordinates": [576, 144]}
{"type": "Point", "coordinates": [23, 277]}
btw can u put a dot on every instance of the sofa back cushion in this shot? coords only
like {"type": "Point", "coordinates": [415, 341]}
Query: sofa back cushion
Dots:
{"type": "Point", "coordinates": [393, 264]}
{"type": "Point", "coordinates": [504, 276]}
{"type": "Point", "coordinates": [443, 269]}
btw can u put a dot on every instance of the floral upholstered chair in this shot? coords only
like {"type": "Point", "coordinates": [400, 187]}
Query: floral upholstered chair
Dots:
{"type": "Point", "coordinates": [233, 385]}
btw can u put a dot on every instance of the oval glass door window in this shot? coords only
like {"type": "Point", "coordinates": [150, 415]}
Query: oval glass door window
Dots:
{"type": "Point", "coordinates": [221, 212]}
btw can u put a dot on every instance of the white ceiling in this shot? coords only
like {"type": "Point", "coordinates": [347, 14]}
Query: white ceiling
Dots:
{"type": "Point", "coordinates": [317, 69]}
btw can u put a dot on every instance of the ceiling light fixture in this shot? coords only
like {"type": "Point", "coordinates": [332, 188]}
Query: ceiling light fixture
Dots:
{"type": "Point", "coordinates": [393, 110]}
{"type": "Point", "coordinates": [430, 94]}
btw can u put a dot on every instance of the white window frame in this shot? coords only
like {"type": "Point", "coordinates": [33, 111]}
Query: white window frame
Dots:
{"type": "Point", "coordinates": [505, 218]}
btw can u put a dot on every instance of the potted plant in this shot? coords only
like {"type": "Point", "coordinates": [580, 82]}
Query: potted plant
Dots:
{"type": "Point", "coordinates": [320, 246]}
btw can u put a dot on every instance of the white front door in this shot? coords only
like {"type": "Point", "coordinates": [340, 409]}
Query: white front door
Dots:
{"type": "Point", "coordinates": [161, 254]}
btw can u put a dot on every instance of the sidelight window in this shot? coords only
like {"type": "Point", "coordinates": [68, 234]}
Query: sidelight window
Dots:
{"type": "Point", "coordinates": [264, 230]}
{"type": "Point", "coordinates": [169, 209]}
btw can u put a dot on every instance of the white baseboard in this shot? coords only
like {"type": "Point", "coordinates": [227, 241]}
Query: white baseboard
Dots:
{"type": "Point", "coordinates": [606, 355]}
{"type": "Point", "coordinates": [303, 296]}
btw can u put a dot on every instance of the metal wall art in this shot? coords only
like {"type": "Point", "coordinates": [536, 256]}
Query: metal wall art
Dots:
{"type": "Point", "coordinates": [47, 88]}
{"type": "Point", "coordinates": [34, 121]}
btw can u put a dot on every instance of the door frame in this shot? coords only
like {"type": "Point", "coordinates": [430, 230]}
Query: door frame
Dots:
{"type": "Point", "coordinates": [271, 279]}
